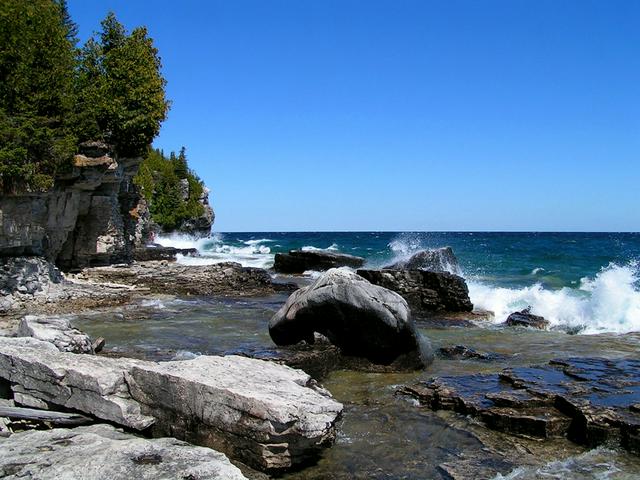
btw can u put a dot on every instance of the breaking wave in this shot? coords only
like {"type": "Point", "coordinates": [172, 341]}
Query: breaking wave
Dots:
{"type": "Point", "coordinates": [608, 302]}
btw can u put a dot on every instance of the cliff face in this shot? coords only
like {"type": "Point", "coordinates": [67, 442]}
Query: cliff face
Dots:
{"type": "Point", "coordinates": [90, 218]}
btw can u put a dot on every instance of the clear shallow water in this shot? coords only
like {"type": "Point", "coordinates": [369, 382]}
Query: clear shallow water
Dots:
{"type": "Point", "coordinates": [578, 281]}
{"type": "Point", "coordinates": [589, 281]}
{"type": "Point", "coordinates": [382, 436]}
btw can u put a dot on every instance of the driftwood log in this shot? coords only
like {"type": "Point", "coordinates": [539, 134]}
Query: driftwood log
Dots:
{"type": "Point", "coordinates": [54, 418]}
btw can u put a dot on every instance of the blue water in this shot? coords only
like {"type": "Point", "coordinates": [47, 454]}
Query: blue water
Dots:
{"type": "Point", "coordinates": [587, 281]}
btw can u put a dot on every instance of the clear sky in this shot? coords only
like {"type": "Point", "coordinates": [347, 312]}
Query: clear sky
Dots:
{"type": "Point", "coordinates": [401, 115]}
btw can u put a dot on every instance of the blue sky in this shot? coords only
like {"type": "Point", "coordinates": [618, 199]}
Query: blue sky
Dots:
{"type": "Point", "coordinates": [402, 115]}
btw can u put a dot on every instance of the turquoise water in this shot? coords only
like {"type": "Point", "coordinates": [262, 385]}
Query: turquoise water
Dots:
{"type": "Point", "coordinates": [584, 282]}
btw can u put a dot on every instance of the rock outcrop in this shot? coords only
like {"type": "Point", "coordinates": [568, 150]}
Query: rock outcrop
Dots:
{"type": "Point", "coordinates": [362, 319]}
{"type": "Point", "coordinates": [100, 451]}
{"type": "Point", "coordinates": [525, 318]}
{"type": "Point", "coordinates": [164, 277]}
{"type": "Point", "coordinates": [424, 290]}
{"type": "Point", "coordinates": [592, 401]}
{"type": "Point", "coordinates": [299, 261]}
{"type": "Point", "coordinates": [84, 220]}
{"type": "Point", "coordinates": [56, 330]}
{"type": "Point", "coordinates": [269, 416]}
{"type": "Point", "coordinates": [436, 260]}
{"type": "Point", "coordinates": [199, 226]}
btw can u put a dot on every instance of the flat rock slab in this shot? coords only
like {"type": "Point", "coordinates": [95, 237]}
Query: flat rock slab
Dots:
{"type": "Point", "coordinates": [171, 278]}
{"type": "Point", "coordinates": [269, 416]}
{"type": "Point", "coordinates": [300, 261]}
{"type": "Point", "coordinates": [102, 452]}
{"type": "Point", "coordinates": [592, 401]}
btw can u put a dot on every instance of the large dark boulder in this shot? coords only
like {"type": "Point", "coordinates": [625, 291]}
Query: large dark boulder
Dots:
{"type": "Point", "coordinates": [299, 261]}
{"type": "Point", "coordinates": [424, 290]}
{"type": "Point", "coordinates": [362, 319]}
{"type": "Point", "coordinates": [436, 260]}
{"type": "Point", "coordinates": [525, 318]}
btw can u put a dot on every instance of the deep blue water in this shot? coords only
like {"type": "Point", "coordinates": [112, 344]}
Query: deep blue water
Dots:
{"type": "Point", "coordinates": [575, 279]}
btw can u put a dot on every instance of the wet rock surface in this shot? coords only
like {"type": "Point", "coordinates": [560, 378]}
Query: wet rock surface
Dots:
{"type": "Point", "coordinates": [463, 352]}
{"type": "Point", "coordinates": [361, 319]}
{"type": "Point", "coordinates": [591, 401]}
{"type": "Point", "coordinates": [164, 277]}
{"type": "Point", "coordinates": [436, 260]}
{"type": "Point", "coordinates": [299, 261]}
{"type": "Point", "coordinates": [269, 416]}
{"type": "Point", "coordinates": [425, 291]}
{"type": "Point", "coordinates": [146, 254]}
{"type": "Point", "coordinates": [525, 318]}
{"type": "Point", "coordinates": [101, 451]}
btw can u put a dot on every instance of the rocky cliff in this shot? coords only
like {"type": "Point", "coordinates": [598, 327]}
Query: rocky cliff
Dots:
{"type": "Point", "coordinates": [91, 217]}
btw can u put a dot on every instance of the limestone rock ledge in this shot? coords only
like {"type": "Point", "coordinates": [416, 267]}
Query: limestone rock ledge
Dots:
{"type": "Point", "coordinates": [100, 451]}
{"type": "Point", "coordinates": [268, 416]}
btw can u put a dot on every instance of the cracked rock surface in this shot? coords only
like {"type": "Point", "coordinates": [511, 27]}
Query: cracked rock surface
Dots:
{"type": "Point", "coordinates": [269, 416]}
{"type": "Point", "coordinates": [101, 452]}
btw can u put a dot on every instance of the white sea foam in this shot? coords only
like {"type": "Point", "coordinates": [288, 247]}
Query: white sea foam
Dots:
{"type": "Point", "coordinates": [310, 248]}
{"type": "Point", "coordinates": [536, 271]}
{"type": "Point", "coordinates": [211, 250]}
{"type": "Point", "coordinates": [609, 302]}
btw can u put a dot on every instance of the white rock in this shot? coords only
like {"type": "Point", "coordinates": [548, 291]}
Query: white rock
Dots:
{"type": "Point", "coordinates": [102, 452]}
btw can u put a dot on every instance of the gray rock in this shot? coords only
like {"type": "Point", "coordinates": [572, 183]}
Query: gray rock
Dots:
{"type": "Point", "coordinates": [269, 416]}
{"type": "Point", "coordinates": [362, 319]}
{"type": "Point", "coordinates": [164, 277]}
{"type": "Point", "coordinates": [299, 261]}
{"type": "Point", "coordinates": [57, 330]}
{"type": "Point", "coordinates": [27, 275]}
{"type": "Point", "coordinates": [86, 383]}
{"type": "Point", "coordinates": [525, 318]}
{"type": "Point", "coordinates": [102, 452]}
{"type": "Point", "coordinates": [424, 290]}
{"type": "Point", "coordinates": [436, 260]}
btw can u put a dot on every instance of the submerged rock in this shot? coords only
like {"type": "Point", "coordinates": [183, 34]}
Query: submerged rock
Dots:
{"type": "Point", "coordinates": [436, 260]}
{"type": "Point", "coordinates": [525, 318]}
{"type": "Point", "coordinates": [425, 291]}
{"type": "Point", "coordinates": [100, 451]}
{"type": "Point", "coordinates": [299, 261]}
{"type": "Point", "coordinates": [589, 400]}
{"type": "Point", "coordinates": [362, 319]}
{"type": "Point", "coordinates": [267, 415]}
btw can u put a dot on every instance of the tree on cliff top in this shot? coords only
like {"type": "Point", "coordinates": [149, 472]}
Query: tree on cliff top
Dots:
{"type": "Point", "coordinates": [121, 96]}
{"type": "Point", "coordinates": [161, 182]}
{"type": "Point", "coordinates": [37, 48]}
{"type": "Point", "coordinates": [53, 96]}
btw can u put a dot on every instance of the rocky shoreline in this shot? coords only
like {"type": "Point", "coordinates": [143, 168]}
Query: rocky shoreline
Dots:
{"type": "Point", "coordinates": [268, 413]}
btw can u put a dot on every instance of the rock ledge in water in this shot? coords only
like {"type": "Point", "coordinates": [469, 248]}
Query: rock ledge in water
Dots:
{"type": "Point", "coordinates": [436, 260]}
{"type": "Point", "coordinates": [591, 401]}
{"type": "Point", "coordinates": [299, 261]}
{"type": "Point", "coordinates": [362, 319]}
{"type": "Point", "coordinates": [525, 318]}
{"type": "Point", "coordinates": [269, 416]}
{"type": "Point", "coordinates": [425, 291]}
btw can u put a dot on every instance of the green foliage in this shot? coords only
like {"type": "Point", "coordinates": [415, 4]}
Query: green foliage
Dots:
{"type": "Point", "coordinates": [53, 96]}
{"type": "Point", "coordinates": [121, 89]}
{"type": "Point", "coordinates": [159, 180]}
{"type": "Point", "coordinates": [37, 47]}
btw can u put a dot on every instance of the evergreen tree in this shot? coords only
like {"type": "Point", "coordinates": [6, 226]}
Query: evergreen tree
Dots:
{"type": "Point", "coordinates": [37, 41]}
